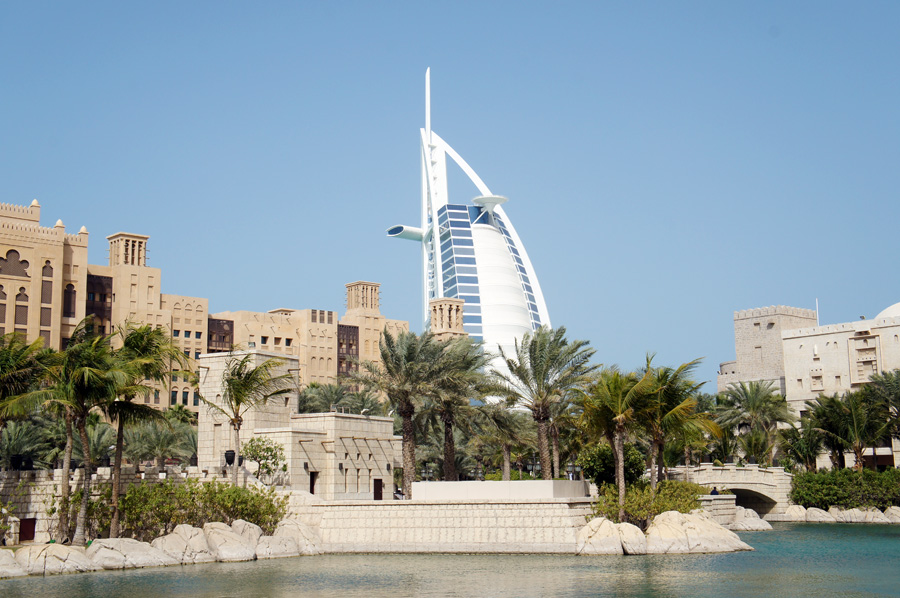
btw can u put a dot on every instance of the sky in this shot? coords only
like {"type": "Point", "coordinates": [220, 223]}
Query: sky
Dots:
{"type": "Point", "coordinates": [666, 163]}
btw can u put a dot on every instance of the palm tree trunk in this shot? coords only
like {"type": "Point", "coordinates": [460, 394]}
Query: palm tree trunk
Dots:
{"type": "Point", "coordinates": [554, 435]}
{"type": "Point", "coordinates": [544, 450]}
{"type": "Point", "coordinates": [409, 451]}
{"type": "Point", "coordinates": [506, 463]}
{"type": "Point", "coordinates": [450, 473]}
{"type": "Point", "coordinates": [661, 463]}
{"type": "Point", "coordinates": [519, 466]}
{"type": "Point", "coordinates": [81, 521]}
{"type": "Point", "coordinates": [654, 474]}
{"type": "Point", "coordinates": [620, 468]}
{"type": "Point", "coordinates": [237, 454]}
{"type": "Point", "coordinates": [874, 459]}
{"type": "Point", "coordinates": [116, 478]}
{"type": "Point", "coordinates": [63, 528]}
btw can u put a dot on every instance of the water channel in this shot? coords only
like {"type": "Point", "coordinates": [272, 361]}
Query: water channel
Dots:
{"type": "Point", "coordinates": [794, 560]}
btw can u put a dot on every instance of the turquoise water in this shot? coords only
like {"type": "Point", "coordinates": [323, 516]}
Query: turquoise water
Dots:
{"type": "Point", "coordinates": [793, 560]}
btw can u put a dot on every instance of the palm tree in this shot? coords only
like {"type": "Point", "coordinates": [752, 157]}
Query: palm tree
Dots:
{"type": "Point", "coordinates": [101, 438]}
{"type": "Point", "coordinates": [506, 429]}
{"type": "Point", "coordinates": [81, 378]}
{"type": "Point", "coordinates": [860, 423]}
{"type": "Point", "coordinates": [21, 367]}
{"type": "Point", "coordinates": [319, 398]}
{"type": "Point", "coordinates": [802, 443]}
{"type": "Point", "coordinates": [412, 369]}
{"type": "Point", "coordinates": [364, 402]}
{"type": "Point", "coordinates": [671, 411]}
{"type": "Point", "coordinates": [245, 387]}
{"type": "Point", "coordinates": [464, 360]}
{"type": "Point", "coordinates": [159, 440]}
{"type": "Point", "coordinates": [827, 416]}
{"type": "Point", "coordinates": [755, 407]}
{"type": "Point", "coordinates": [544, 369]}
{"type": "Point", "coordinates": [148, 355]}
{"type": "Point", "coordinates": [612, 407]}
{"type": "Point", "coordinates": [22, 438]}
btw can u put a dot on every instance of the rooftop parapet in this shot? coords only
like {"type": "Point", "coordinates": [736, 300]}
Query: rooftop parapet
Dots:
{"type": "Point", "coordinates": [30, 213]}
{"type": "Point", "coordinates": [775, 310]}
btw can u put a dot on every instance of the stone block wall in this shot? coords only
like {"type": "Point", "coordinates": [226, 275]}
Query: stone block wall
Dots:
{"type": "Point", "coordinates": [483, 526]}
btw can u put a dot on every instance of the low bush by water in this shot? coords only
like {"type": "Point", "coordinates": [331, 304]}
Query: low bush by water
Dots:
{"type": "Point", "coordinates": [847, 488]}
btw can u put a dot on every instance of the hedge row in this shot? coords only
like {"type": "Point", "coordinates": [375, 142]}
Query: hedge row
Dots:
{"type": "Point", "coordinates": [847, 488]}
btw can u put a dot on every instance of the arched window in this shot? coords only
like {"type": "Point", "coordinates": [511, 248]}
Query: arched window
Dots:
{"type": "Point", "coordinates": [69, 301]}
{"type": "Point", "coordinates": [47, 272]}
{"type": "Point", "coordinates": [13, 265]}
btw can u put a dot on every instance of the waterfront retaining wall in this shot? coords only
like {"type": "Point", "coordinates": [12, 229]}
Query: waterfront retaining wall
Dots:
{"type": "Point", "coordinates": [476, 526]}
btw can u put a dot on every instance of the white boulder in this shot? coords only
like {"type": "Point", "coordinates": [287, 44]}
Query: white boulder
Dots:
{"type": "Point", "coordinates": [747, 520]}
{"type": "Point", "coordinates": [873, 515]}
{"type": "Point", "coordinates": [308, 541]}
{"type": "Point", "coordinates": [8, 565]}
{"type": "Point", "coordinates": [126, 553]}
{"type": "Point", "coordinates": [892, 514]}
{"type": "Point", "coordinates": [250, 532]}
{"type": "Point", "coordinates": [677, 533]}
{"type": "Point", "coordinates": [814, 515]}
{"type": "Point", "coordinates": [847, 515]}
{"type": "Point", "coordinates": [633, 539]}
{"type": "Point", "coordinates": [270, 547]}
{"type": "Point", "coordinates": [227, 546]}
{"type": "Point", "coordinates": [186, 544]}
{"type": "Point", "coordinates": [53, 559]}
{"type": "Point", "coordinates": [599, 536]}
{"type": "Point", "coordinates": [796, 513]}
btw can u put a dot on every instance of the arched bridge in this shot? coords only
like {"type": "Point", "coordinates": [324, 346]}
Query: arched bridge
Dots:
{"type": "Point", "coordinates": [763, 489]}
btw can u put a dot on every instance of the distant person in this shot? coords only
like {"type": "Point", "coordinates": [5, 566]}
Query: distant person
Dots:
{"type": "Point", "coordinates": [714, 492]}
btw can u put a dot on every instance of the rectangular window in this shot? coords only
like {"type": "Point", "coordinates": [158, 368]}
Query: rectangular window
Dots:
{"type": "Point", "coordinates": [184, 397]}
{"type": "Point", "coordinates": [187, 334]}
{"type": "Point", "coordinates": [277, 341]}
{"type": "Point", "coordinates": [156, 397]}
{"type": "Point", "coordinates": [196, 399]}
{"type": "Point", "coordinates": [196, 354]}
{"type": "Point", "coordinates": [264, 340]}
{"type": "Point", "coordinates": [21, 315]}
{"type": "Point", "coordinates": [174, 399]}
{"type": "Point", "coordinates": [45, 317]}
{"type": "Point", "coordinates": [176, 333]}
{"type": "Point", "coordinates": [331, 317]}
{"type": "Point", "coordinates": [187, 352]}
{"type": "Point", "coordinates": [47, 292]}
{"type": "Point", "coordinates": [198, 334]}
{"type": "Point", "coordinates": [288, 341]}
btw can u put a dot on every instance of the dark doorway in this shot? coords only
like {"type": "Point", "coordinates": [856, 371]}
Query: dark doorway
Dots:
{"type": "Point", "coordinates": [26, 530]}
{"type": "Point", "coordinates": [313, 476]}
{"type": "Point", "coordinates": [378, 489]}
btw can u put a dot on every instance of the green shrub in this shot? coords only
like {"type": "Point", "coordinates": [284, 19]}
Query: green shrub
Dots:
{"type": "Point", "coordinates": [597, 464]}
{"type": "Point", "coordinates": [641, 505]}
{"type": "Point", "coordinates": [513, 475]}
{"type": "Point", "coordinates": [846, 488]}
{"type": "Point", "coordinates": [267, 453]}
{"type": "Point", "coordinates": [151, 510]}
{"type": "Point", "coordinates": [717, 463]}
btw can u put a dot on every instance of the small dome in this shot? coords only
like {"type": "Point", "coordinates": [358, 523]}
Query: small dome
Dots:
{"type": "Point", "coordinates": [891, 312]}
{"type": "Point", "coordinates": [59, 224]}
{"type": "Point", "coordinates": [35, 204]}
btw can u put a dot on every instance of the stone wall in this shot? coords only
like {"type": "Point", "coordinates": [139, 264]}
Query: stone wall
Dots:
{"type": "Point", "coordinates": [31, 493]}
{"type": "Point", "coordinates": [721, 507]}
{"type": "Point", "coordinates": [482, 526]}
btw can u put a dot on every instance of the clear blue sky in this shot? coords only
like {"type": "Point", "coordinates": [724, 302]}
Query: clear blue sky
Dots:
{"type": "Point", "coordinates": [666, 163]}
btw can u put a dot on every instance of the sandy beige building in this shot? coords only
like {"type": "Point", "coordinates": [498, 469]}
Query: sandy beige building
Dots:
{"type": "Point", "coordinates": [334, 456]}
{"type": "Point", "coordinates": [47, 288]}
{"type": "Point", "coordinates": [805, 360]}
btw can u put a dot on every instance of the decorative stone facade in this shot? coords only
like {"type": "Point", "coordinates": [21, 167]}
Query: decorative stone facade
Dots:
{"type": "Point", "coordinates": [334, 456]}
{"type": "Point", "coordinates": [758, 345]}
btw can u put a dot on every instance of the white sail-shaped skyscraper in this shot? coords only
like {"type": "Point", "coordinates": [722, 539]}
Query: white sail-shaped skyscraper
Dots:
{"type": "Point", "coordinates": [471, 251]}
